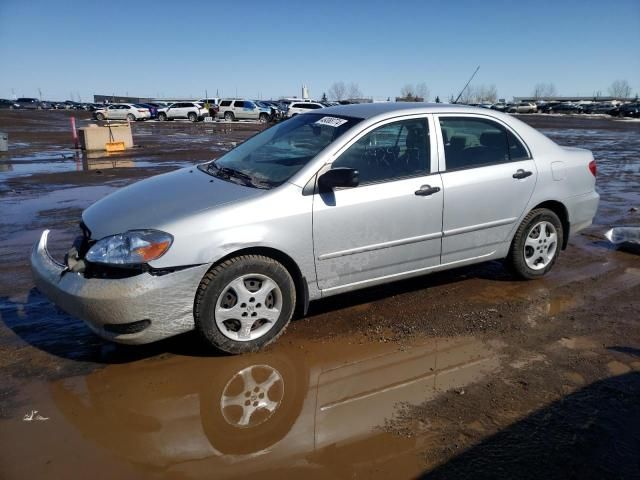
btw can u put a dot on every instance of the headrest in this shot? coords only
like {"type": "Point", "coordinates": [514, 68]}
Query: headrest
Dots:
{"type": "Point", "coordinates": [493, 140]}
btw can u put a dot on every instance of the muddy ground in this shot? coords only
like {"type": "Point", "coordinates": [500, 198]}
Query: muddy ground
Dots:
{"type": "Point", "coordinates": [461, 374]}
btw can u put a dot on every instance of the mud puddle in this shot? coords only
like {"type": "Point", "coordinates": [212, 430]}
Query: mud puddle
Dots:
{"type": "Point", "coordinates": [317, 407]}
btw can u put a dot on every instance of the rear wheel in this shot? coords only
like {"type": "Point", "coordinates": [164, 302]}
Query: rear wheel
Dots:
{"type": "Point", "coordinates": [244, 303]}
{"type": "Point", "coordinates": [536, 244]}
{"type": "Point", "coordinates": [99, 116]}
{"type": "Point", "coordinates": [192, 117]}
{"type": "Point", "coordinates": [228, 116]}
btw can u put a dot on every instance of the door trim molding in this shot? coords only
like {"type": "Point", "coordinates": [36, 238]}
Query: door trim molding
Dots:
{"type": "Point", "coordinates": [380, 246]}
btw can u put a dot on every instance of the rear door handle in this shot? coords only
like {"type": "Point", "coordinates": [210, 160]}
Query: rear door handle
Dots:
{"type": "Point", "coordinates": [522, 174]}
{"type": "Point", "coordinates": [426, 190]}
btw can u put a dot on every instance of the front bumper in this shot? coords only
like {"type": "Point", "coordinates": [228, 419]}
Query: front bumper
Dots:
{"type": "Point", "coordinates": [166, 301]}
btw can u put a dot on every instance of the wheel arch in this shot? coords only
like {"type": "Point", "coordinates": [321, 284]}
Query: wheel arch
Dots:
{"type": "Point", "coordinates": [563, 214]}
{"type": "Point", "coordinates": [302, 290]}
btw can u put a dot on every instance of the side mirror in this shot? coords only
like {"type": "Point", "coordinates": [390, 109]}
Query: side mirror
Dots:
{"type": "Point", "coordinates": [338, 177]}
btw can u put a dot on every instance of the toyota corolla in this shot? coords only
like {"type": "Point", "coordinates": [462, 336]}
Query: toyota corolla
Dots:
{"type": "Point", "coordinates": [321, 204]}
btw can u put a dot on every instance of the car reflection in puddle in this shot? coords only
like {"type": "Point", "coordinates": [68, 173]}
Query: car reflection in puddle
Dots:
{"type": "Point", "coordinates": [266, 410]}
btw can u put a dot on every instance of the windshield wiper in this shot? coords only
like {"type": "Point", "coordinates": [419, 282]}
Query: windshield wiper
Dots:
{"type": "Point", "coordinates": [228, 173]}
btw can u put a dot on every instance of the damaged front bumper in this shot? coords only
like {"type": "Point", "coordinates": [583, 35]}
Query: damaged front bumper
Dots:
{"type": "Point", "coordinates": [139, 309]}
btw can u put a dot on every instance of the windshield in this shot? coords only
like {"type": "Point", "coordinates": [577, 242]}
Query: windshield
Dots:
{"type": "Point", "coordinates": [273, 156]}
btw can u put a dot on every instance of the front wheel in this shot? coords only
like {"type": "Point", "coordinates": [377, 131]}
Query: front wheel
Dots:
{"type": "Point", "coordinates": [131, 117]}
{"type": "Point", "coordinates": [162, 116]}
{"type": "Point", "coordinates": [244, 303]}
{"type": "Point", "coordinates": [264, 118]}
{"type": "Point", "coordinates": [536, 244]}
{"type": "Point", "coordinates": [99, 117]}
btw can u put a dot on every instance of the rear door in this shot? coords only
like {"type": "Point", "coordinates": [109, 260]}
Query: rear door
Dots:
{"type": "Point", "coordinates": [391, 223]}
{"type": "Point", "coordinates": [488, 177]}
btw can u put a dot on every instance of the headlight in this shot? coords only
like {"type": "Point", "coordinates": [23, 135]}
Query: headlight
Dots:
{"type": "Point", "coordinates": [130, 248]}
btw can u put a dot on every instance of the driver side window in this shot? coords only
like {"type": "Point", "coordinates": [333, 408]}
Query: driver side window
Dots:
{"type": "Point", "coordinates": [393, 151]}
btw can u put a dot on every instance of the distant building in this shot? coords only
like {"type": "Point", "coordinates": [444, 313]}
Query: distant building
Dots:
{"type": "Point", "coordinates": [410, 99]}
{"type": "Point", "coordinates": [575, 99]}
{"type": "Point", "coordinates": [360, 100]}
{"type": "Point", "coordinates": [119, 99]}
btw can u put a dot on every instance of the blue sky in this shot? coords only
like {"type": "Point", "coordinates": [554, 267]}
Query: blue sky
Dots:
{"type": "Point", "coordinates": [270, 48]}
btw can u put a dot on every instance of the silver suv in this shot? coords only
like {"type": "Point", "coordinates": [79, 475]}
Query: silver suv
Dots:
{"type": "Point", "coordinates": [243, 110]}
{"type": "Point", "coordinates": [320, 204]}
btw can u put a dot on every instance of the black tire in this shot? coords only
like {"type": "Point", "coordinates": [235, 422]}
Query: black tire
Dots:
{"type": "Point", "coordinates": [263, 118]}
{"type": "Point", "coordinates": [265, 428]}
{"type": "Point", "coordinates": [516, 259]}
{"type": "Point", "coordinates": [192, 117]}
{"type": "Point", "coordinates": [162, 117]}
{"type": "Point", "coordinates": [217, 280]}
{"type": "Point", "coordinates": [99, 117]}
{"type": "Point", "coordinates": [229, 116]}
{"type": "Point", "coordinates": [131, 117]}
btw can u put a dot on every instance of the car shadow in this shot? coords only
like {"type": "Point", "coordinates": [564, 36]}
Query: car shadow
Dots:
{"type": "Point", "coordinates": [592, 433]}
{"type": "Point", "coordinates": [493, 270]}
{"type": "Point", "coordinates": [42, 325]}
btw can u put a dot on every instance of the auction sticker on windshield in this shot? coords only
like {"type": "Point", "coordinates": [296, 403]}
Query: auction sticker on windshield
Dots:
{"type": "Point", "coordinates": [331, 121]}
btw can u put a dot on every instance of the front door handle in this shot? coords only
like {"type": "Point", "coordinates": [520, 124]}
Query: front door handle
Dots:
{"type": "Point", "coordinates": [426, 190]}
{"type": "Point", "coordinates": [522, 174]}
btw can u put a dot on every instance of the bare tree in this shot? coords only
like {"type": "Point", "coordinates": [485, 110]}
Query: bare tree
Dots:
{"type": "Point", "coordinates": [422, 91]}
{"type": "Point", "coordinates": [407, 91]}
{"type": "Point", "coordinates": [620, 89]}
{"type": "Point", "coordinates": [544, 90]}
{"type": "Point", "coordinates": [354, 91]}
{"type": "Point", "coordinates": [491, 94]}
{"type": "Point", "coordinates": [338, 91]}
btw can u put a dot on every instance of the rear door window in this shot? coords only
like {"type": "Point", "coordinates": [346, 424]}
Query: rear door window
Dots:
{"type": "Point", "coordinates": [474, 142]}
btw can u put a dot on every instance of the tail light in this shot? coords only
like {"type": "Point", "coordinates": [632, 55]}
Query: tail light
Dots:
{"type": "Point", "coordinates": [142, 110]}
{"type": "Point", "coordinates": [592, 167]}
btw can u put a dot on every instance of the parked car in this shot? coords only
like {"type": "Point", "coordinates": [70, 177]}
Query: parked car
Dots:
{"type": "Point", "coordinates": [593, 108]}
{"type": "Point", "coordinates": [212, 105]}
{"type": "Point", "coordinates": [626, 110]}
{"type": "Point", "coordinates": [324, 203]}
{"type": "Point", "coordinates": [123, 111]}
{"type": "Point", "coordinates": [297, 108]}
{"type": "Point", "coordinates": [153, 109]}
{"type": "Point", "coordinates": [243, 110]}
{"type": "Point", "coordinates": [500, 107]}
{"type": "Point", "coordinates": [272, 107]}
{"type": "Point", "coordinates": [565, 108]}
{"type": "Point", "coordinates": [4, 103]}
{"type": "Point", "coordinates": [28, 104]}
{"type": "Point", "coordinates": [192, 111]}
{"type": "Point", "coordinates": [522, 107]}
{"type": "Point", "coordinates": [544, 108]}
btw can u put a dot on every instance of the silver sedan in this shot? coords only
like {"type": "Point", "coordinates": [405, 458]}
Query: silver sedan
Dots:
{"type": "Point", "coordinates": [321, 204]}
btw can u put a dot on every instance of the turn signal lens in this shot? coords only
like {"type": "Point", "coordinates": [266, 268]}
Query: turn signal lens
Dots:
{"type": "Point", "coordinates": [152, 251]}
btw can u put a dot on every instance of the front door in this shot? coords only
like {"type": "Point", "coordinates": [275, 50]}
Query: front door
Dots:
{"type": "Point", "coordinates": [488, 177]}
{"type": "Point", "coordinates": [391, 223]}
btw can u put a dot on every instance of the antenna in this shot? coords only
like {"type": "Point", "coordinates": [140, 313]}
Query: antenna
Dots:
{"type": "Point", "coordinates": [466, 85]}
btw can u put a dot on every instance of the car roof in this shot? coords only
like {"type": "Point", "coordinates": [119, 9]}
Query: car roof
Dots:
{"type": "Point", "coordinates": [369, 110]}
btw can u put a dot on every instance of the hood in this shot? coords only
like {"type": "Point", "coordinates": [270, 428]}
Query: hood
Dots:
{"type": "Point", "coordinates": [162, 199]}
